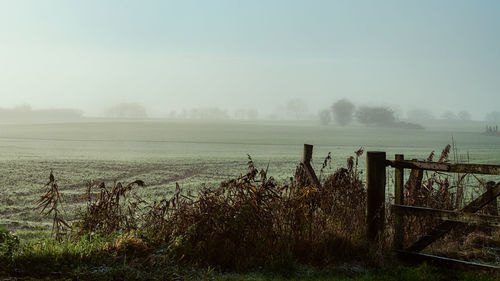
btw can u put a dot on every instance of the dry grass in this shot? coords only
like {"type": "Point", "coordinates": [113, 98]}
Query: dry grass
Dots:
{"type": "Point", "coordinates": [108, 210]}
{"type": "Point", "coordinates": [245, 222]}
{"type": "Point", "coordinates": [444, 191]}
{"type": "Point", "coordinates": [252, 220]}
{"type": "Point", "coordinates": [49, 204]}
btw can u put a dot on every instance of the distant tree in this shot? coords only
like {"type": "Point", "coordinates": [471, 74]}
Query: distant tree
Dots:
{"type": "Point", "coordinates": [252, 114]}
{"type": "Point", "coordinates": [24, 113]}
{"type": "Point", "coordinates": [245, 114]}
{"type": "Point", "coordinates": [449, 115]}
{"type": "Point", "coordinates": [343, 111]}
{"type": "Point", "coordinates": [464, 115]}
{"type": "Point", "coordinates": [493, 116]}
{"type": "Point", "coordinates": [296, 108]}
{"type": "Point", "coordinates": [419, 114]}
{"type": "Point", "coordinates": [127, 110]}
{"type": "Point", "coordinates": [376, 115]}
{"type": "Point", "coordinates": [207, 113]}
{"type": "Point", "coordinates": [325, 117]}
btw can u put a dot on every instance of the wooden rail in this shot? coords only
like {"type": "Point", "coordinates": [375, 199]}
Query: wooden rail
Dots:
{"type": "Point", "coordinates": [450, 219]}
{"type": "Point", "coordinates": [445, 167]}
{"type": "Point", "coordinates": [442, 261]}
{"type": "Point", "coordinates": [375, 213]}
{"type": "Point", "coordinates": [446, 215]}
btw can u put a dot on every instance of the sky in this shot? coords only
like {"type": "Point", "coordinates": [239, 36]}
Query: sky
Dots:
{"type": "Point", "coordinates": [168, 55]}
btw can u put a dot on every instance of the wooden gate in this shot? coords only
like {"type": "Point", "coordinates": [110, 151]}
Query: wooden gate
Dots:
{"type": "Point", "coordinates": [376, 164]}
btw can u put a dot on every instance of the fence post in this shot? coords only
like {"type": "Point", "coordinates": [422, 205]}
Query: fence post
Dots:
{"type": "Point", "coordinates": [399, 200]}
{"type": "Point", "coordinates": [306, 163]}
{"type": "Point", "coordinates": [375, 175]}
{"type": "Point", "coordinates": [308, 152]}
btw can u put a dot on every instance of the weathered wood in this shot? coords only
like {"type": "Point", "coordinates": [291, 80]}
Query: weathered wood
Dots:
{"type": "Point", "coordinates": [308, 152]}
{"type": "Point", "coordinates": [375, 216]}
{"type": "Point", "coordinates": [447, 215]}
{"type": "Point", "coordinates": [446, 167]}
{"type": "Point", "coordinates": [311, 174]}
{"type": "Point", "coordinates": [492, 208]}
{"type": "Point", "coordinates": [306, 164]}
{"type": "Point", "coordinates": [419, 257]}
{"type": "Point", "coordinates": [399, 200]}
{"type": "Point", "coordinates": [483, 200]}
{"type": "Point", "coordinates": [446, 226]}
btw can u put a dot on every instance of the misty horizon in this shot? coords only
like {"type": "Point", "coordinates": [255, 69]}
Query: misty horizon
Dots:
{"type": "Point", "coordinates": [174, 56]}
{"type": "Point", "coordinates": [421, 116]}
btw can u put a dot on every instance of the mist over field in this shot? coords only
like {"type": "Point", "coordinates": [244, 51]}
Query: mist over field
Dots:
{"type": "Point", "coordinates": [157, 123]}
{"type": "Point", "coordinates": [247, 60]}
{"type": "Point", "coordinates": [155, 81]}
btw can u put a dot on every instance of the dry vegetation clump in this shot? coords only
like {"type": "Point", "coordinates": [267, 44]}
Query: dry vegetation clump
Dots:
{"type": "Point", "coordinates": [432, 190]}
{"type": "Point", "coordinates": [252, 220]}
{"type": "Point", "coordinates": [345, 197]}
{"type": "Point", "coordinates": [448, 192]}
{"type": "Point", "coordinates": [109, 210]}
{"type": "Point", "coordinates": [245, 222]}
{"type": "Point", "coordinates": [49, 204]}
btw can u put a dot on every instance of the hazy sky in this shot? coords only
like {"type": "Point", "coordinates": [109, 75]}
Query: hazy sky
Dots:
{"type": "Point", "coordinates": [166, 55]}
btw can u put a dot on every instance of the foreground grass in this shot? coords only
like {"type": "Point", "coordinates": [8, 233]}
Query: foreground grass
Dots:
{"type": "Point", "coordinates": [97, 258]}
{"type": "Point", "coordinates": [421, 272]}
{"type": "Point", "coordinates": [37, 256]}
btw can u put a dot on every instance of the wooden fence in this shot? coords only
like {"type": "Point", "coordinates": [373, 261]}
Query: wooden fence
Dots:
{"type": "Point", "coordinates": [375, 213]}
{"type": "Point", "coordinates": [376, 184]}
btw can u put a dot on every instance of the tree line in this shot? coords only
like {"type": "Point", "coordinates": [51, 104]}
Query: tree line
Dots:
{"type": "Point", "coordinates": [344, 112]}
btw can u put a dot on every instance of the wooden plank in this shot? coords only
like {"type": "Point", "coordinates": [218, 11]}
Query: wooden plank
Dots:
{"type": "Point", "coordinates": [375, 182]}
{"type": "Point", "coordinates": [475, 169]}
{"type": "Point", "coordinates": [399, 200]}
{"type": "Point", "coordinates": [420, 165]}
{"type": "Point", "coordinates": [419, 257]}
{"type": "Point", "coordinates": [447, 215]}
{"type": "Point", "coordinates": [446, 226]}
{"type": "Point", "coordinates": [446, 167]}
{"type": "Point", "coordinates": [483, 200]}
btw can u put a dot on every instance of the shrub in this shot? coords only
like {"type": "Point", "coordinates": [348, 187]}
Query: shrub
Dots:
{"type": "Point", "coordinates": [8, 242]}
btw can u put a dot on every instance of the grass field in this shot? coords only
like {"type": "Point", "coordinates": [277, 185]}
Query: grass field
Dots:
{"type": "Point", "coordinates": [191, 153]}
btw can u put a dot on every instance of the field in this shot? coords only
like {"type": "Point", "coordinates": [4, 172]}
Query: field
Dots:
{"type": "Point", "coordinates": [191, 153]}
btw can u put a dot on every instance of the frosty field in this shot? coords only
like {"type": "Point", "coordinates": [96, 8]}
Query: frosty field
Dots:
{"type": "Point", "coordinates": [192, 153]}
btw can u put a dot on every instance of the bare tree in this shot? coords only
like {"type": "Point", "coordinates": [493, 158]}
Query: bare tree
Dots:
{"type": "Point", "coordinates": [449, 115]}
{"type": "Point", "coordinates": [464, 115]}
{"type": "Point", "coordinates": [493, 116]}
{"type": "Point", "coordinates": [325, 117]}
{"type": "Point", "coordinates": [296, 108]}
{"type": "Point", "coordinates": [420, 114]}
{"type": "Point", "coordinates": [127, 110]}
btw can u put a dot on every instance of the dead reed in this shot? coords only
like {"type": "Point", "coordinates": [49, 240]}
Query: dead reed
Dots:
{"type": "Point", "coordinates": [252, 220]}
{"type": "Point", "coordinates": [109, 210]}
{"type": "Point", "coordinates": [49, 204]}
{"type": "Point", "coordinates": [247, 221]}
{"type": "Point", "coordinates": [439, 190]}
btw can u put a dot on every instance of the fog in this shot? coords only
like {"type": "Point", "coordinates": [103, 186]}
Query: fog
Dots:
{"type": "Point", "coordinates": [251, 60]}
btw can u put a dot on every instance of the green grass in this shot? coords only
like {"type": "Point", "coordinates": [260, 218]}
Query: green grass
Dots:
{"type": "Point", "coordinates": [42, 258]}
{"type": "Point", "coordinates": [421, 272]}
